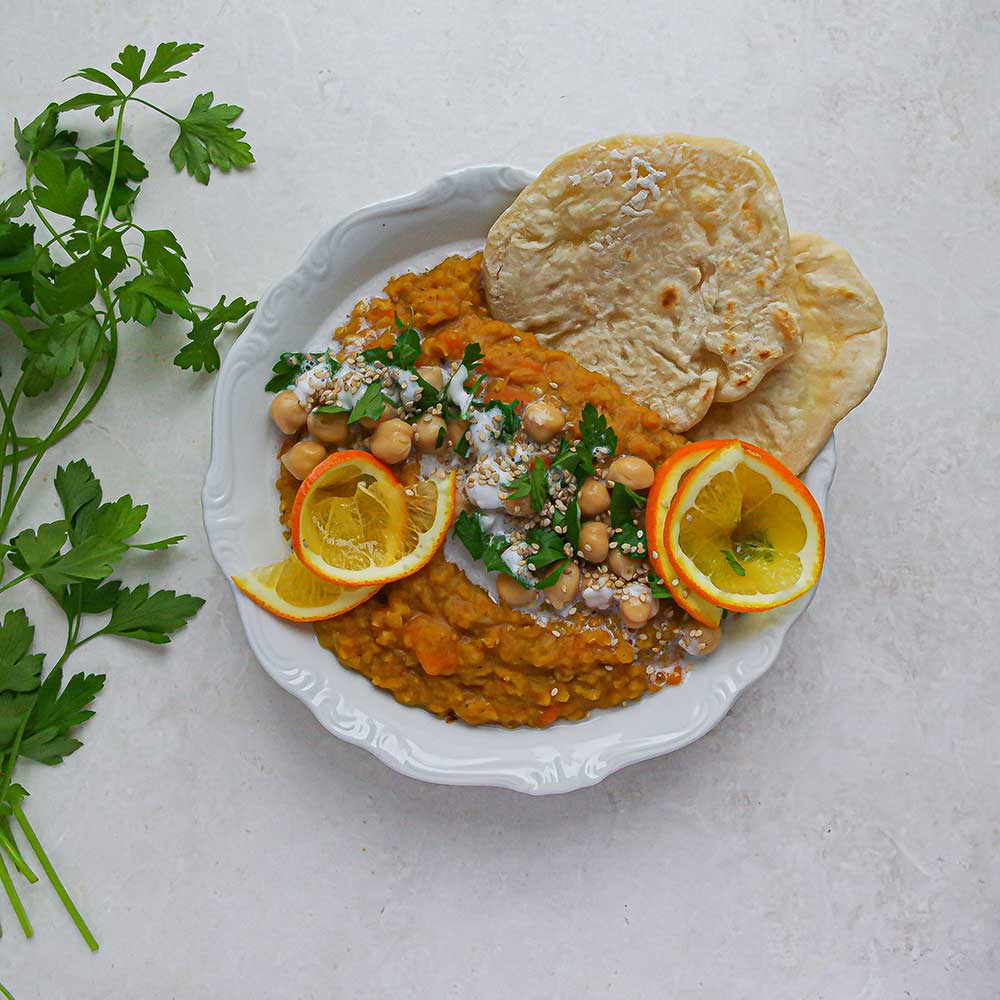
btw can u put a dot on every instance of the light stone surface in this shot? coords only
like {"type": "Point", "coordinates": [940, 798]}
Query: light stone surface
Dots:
{"type": "Point", "coordinates": [837, 836]}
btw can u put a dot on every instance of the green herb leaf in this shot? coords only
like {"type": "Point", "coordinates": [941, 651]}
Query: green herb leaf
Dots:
{"type": "Point", "coordinates": [472, 356]}
{"type": "Point", "coordinates": [200, 352]}
{"type": "Point", "coordinates": [623, 501]}
{"type": "Point", "coordinates": [20, 674]}
{"type": "Point", "coordinates": [403, 353]}
{"type": "Point", "coordinates": [75, 337]}
{"type": "Point", "coordinates": [57, 711]}
{"type": "Point", "coordinates": [658, 587]}
{"type": "Point", "coordinates": [76, 486]}
{"type": "Point", "coordinates": [207, 139]}
{"type": "Point", "coordinates": [511, 418]}
{"type": "Point", "coordinates": [552, 577]}
{"type": "Point", "coordinates": [145, 295]}
{"type": "Point", "coordinates": [734, 563]}
{"type": "Point", "coordinates": [566, 458]}
{"type": "Point", "coordinates": [482, 545]}
{"type": "Point", "coordinates": [570, 519]}
{"type": "Point", "coordinates": [14, 206]}
{"type": "Point", "coordinates": [138, 614]}
{"type": "Point", "coordinates": [371, 404]}
{"type": "Point", "coordinates": [168, 55]}
{"type": "Point", "coordinates": [532, 483]}
{"type": "Point", "coordinates": [329, 408]}
{"type": "Point", "coordinates": [595, 433]}
{"type": "Point", "coordinates": [58, 191]}
{"type": "Point", "coordinates": [129, 64]}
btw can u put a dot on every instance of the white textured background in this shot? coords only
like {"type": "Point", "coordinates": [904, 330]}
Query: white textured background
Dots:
{"type": "Point", "coordinates": [837, 836]}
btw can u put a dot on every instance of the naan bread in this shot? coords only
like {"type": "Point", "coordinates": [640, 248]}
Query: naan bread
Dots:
{"type": "Point", "coordinates": [795, 408]}
{"type": "Point", "coordinates": [661, 261]}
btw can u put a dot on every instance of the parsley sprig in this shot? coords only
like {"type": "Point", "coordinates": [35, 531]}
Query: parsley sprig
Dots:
{"type": "Point", "coordinates": [75, 267]}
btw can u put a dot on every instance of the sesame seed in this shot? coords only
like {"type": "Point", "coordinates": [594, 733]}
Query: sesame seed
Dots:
{"type": "Point", "coordinates": [516, 339]}
{"type": "Point", "coordinates": [553, 385]}
{"type": "Point", "coordinates": [554, 692]}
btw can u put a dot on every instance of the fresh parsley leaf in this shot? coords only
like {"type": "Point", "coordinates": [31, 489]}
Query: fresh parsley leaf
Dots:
{"type": "Point", "coordinates": [208, 139]}
{"type": "Point", "coordinates": [552, 577]}
{"type": "Point", "coordinates": [482, 545]}
{"type": "Point", "coordinates": [57, 190]}
{"type": "Point", "coordinates": [20, 674]}
{"type": "Point", "coordinates": [566, 458]}
{"type": "Point", "coordinates": [430, 396]}
{"type": "Point", "coordinates": [595, 433]}
{"type": "Point", "coordinates": [630, 542]}
{"type": "Point", "coordinates": [57, 711]}
{"type": "Point", "coordinates": [138, 614]}
{"type": "Point", "coordinates": [734, 563]}
{"type": "Point", "coordinates": [623, 501]}
{"type": "Point", "coordinates": [146, 294]}
{"type": "Point", "coordinates": [200, 351]}
{"type": "Point", "coordinates": [286, 370]}
{"type": "Point", "coordinates": [403, 353]}
{"type": "Point", "coordinates": [371, 404]}
{"type": "Point", "coordinates": [657, 587]}
{"type": "Point", "coordinates": [550, 548]}
{"type": "Point", "coordinates": [14, 206]}
{"type": "Point", "coordinates": [472, 356]}
{"type": "Point", "coordinates": [166, 56]}
{"type": "Point", "coordinates": [511, 418]}
{"type": "Point", "coordinates": [164, 257]}
{"type": "Point", "coordinates": [570, 519]}
{"type": "Point", "coordinates": [463, 444]}
{"type": "Point", "coordinates": [329, 408]}
{"type": "Point", "coordinates": [75, 337]}
{"type": "Point", "coordinates": [532, 483]}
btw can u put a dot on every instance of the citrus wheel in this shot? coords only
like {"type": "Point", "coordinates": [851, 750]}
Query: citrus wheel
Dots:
{"type": "Point", "coordinates": [668, 479]}
{"type": "Point", "coordinates": [743, 532]}
{"type": "Point", "coordinates": [289, 590]}
{"type": "Point", "coordinates": [354, 527]}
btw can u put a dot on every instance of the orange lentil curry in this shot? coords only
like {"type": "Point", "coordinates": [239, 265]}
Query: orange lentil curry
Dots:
{"type": "Point", "coordinates": [435, 639]}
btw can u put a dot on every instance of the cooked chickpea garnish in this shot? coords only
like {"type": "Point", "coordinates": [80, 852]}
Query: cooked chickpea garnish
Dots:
{"type": "Point", "coordinates": [303, 457]}
{"type": "Point", "coordinates": [392, 441]}
{"type": "Point", "coordinates": [698, 640]}
{"type": "Point", "coordinates": [329, 428]}
{"type": "Point", "coordinates": [565, 589]}
{"type": "Point", "coordinates": [388, 413]}
{"type": "Point", "coordinates": [594, 541]}
{"type": "Point", "coordinates": [635, 473]}
{"type": "Point", "coordinates": [521, 507]}
{"type": "Point", "coordinates": [456, 429]}
{"type": "Point", "coordinates": [287, 412]}
{"type": "Point", "coordinates": [593, 498]}
{"type": "Point", "coordinates": [431, 433]}
{"type": "Point", "coordinates": [621, 565]}
{"type": "Point", "coordinates": [636, 610]}
{"type": "Point", "coordinates": [512, 593]}
{"type": "Point", "coordinates": [543, 420]}
{"type": "Point", "coordinates": [432, 375]}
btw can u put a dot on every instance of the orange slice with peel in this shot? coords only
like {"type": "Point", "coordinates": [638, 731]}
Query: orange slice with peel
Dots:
{"type": "Point", "coordinates": [289, 590]}
{"type": "Point", "coordinates": [353, 523]}
{"type": "Point", "coordinates": [743, 532]}
{"type": "Point", "coordinates": [661, 493]}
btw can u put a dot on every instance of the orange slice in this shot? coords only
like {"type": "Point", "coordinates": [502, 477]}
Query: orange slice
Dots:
{"type": "Point", "coordinates": [289, 590]}
{"type": "Point", "coordinates": [668, 479]}
{"type": "Point", "coordinates": [743, 532]}
{"type": "Point", "coordinates": [352, 522]}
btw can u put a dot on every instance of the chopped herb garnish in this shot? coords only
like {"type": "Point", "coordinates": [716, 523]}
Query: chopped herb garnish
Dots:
{"type": "Point", "coordinates": [291, 365]}
{"type": "Point", "coordinates": [463, 444]}
{"type": "Point", "coordinates": [487, 548]}
{"type": "Point", "coordinates": [566, 458]}
{"type": "Point", "coordinates": [734, 563]}
{"type": "Point", "coordinates": [571, 521]}
{"type": "Point", "coordinates": [623, 501]}
{"type": "Point", "coordinates": [630, 542]}
{"type": "Point", "coordinates": [594, 434]}
{"type": "Point", "coordinates": [330, 408]}
{"type": "Point", "coordinates": [371, 404]}
{"type": "Point", "coordinates": [403, 353]}
{"type": "Point", "coordinates": [442, 434]}
{"type": "Point", "coordinates": [657, 587]}
{"type": "Point", "coordinates": [551, 578]}
{"type": "Point", "coordinates": [550, 548]}
{"type": "Point", "coordinates": [511, 419]}
{"type": "Point", "coordinates": [534, 484]}
{"type": "Point", "coordinates": [472, 356]}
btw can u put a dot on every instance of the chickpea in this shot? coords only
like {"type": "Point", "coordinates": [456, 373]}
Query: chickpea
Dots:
{"type": "Point", "coordinates": [635, 473]}
{"type": "Point", "coordinates": [565, 589]}
{"type": "Point", "coordinates": [543, 420]}
{"type": "Point", "coordinates": [593, 498]}
{"type": "Point", "coordinates": [303, 457]}
{"type": "Point", "coordinates": [456, 428]}
{"type": "Point", "coordinates": [287, 413]}
{"type": "Point", "coordinates": [388, 413]}
{"type": "Point", "coordinates": [512, 593]}
{"type": "Point", "coordinates": [329, 428]}
{"type": "Point", "coordinates": [637, 609]}
{"type": "Point", "coordinates": [698, 640]}
{"type": "Point", "coordinates": [521, 507]}
{"type": "Point", "coordinates": [392, 441]}
{"type": "Point", "coordinates": [431, 433]}
{"type": "Point", "coordinates": [431, 374]}
{"type": "Point", "coordinates": [594, 541]}
{"type": "Point", "coordinates": [622, 566]}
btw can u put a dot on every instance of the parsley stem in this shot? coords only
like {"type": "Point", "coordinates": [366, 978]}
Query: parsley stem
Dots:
{"type": "Point", "coordinates": [15, 899]}
{"type": "Point", "coordinates": [43, 860]}
{"type": "Point", "coordinates": [106, 204]}
{"type": "Point", "coordinates": [167, 114]}
{"type": "Point", "coordinates": [7, 843]}
{"type": "Point", "coordinates": [6, 993]}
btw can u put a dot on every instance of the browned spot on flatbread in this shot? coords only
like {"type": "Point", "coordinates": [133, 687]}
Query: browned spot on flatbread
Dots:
{"type": "Point", "coordinates": [785, 324]}
{"type": "Point", "coordinates": [669, 296]}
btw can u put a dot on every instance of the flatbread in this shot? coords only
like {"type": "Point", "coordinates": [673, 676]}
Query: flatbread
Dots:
{"type": "Point", "coordinates": [795, 408]}
{"type": "Point", "coordinates": [661, 261]}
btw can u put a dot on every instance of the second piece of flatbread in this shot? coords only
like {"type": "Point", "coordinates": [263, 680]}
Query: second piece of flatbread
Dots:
{"type": "Point", "coordinates": [661, 261]}
{"type": "Point", "coordinates": [794, 409]}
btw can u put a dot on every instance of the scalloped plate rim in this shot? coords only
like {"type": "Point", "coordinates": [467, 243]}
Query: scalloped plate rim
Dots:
{"type": "Point", "coordinates": [547, 767]}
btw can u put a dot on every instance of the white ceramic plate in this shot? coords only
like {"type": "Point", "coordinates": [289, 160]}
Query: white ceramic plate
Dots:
{"type": "Point", "coordinates": [352, 259]}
